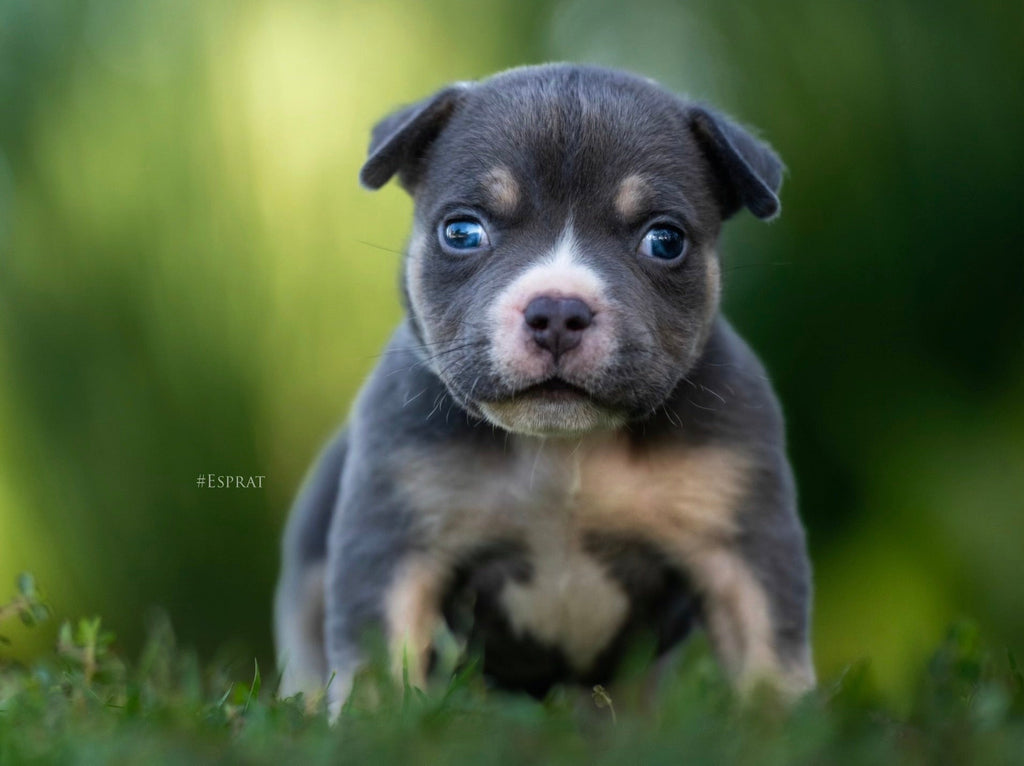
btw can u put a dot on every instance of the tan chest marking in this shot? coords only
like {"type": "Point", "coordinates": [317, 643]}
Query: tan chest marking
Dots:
{"type": "Point", "coordinates": [553, 493]}
{"type": "Point", "coordinates": [686, 502]}
{"type": "Point", "coordinates": [683, 500]}
{"type": "Point", "coordinates": [570, 601]}
{"type": "Point", "coordinates": [683, 497]}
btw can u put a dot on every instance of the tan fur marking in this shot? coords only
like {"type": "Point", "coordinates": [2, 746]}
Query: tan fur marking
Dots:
{"type": "Point", "coordinates": [740, 625]}
{"type": "Point", "coordinates": [465, 500]}
{"type": "Point", "coordinates": [503, 190]}
{"type": "Point", "coordinates": [685, 500]}
{"type": "Point", "coordinates": [630, 197]}
{"type": "Point", "coordinates": [412, 609]}
{"type": "Point", "coordinates": [685, 495]}
{"type": "Point", "coordinates": [737, 615]}
{"type": "Point", "coordinates": [551, 493]}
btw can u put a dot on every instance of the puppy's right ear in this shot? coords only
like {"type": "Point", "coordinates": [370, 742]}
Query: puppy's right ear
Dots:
{"type": "Point", "coordinates": [399, 141]}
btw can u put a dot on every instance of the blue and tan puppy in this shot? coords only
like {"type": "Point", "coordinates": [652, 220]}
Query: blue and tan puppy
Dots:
{"type": "Point", "coordinates": [565, 445]}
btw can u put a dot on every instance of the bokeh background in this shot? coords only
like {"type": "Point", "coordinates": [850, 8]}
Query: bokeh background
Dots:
{"type": "Point", "coordinates": [191, 281]}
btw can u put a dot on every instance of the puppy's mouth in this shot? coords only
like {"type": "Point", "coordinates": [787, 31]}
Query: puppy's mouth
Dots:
{"type": "Point", "coordinates": [553, 389]}
{"type": "Point", "coordinates": [552, 407]}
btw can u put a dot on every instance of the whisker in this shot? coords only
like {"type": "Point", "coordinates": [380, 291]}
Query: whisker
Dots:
{"type": "Point", "coordinates": [701, 407]}
{"type": "Point", "coordinates": [436, 343]}
{"type": "Point", "coordinates": [412, 399]}
{"type": "Point", "coordinates": [673, 418]}
{"type": "Point", "coordinates": [448, 351]}
{"type": "Point", "coordinates": [379, 247]}
{"type": "Point", "coordinates": [432, 358]}
{"type": "Point", "coordinates": [437, 404]}
{"type": "Point", "coordinates": [713, 393]}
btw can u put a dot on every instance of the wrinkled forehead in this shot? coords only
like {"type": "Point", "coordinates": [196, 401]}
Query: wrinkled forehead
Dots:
{"type": "Point", "coordinates": [547, 147]}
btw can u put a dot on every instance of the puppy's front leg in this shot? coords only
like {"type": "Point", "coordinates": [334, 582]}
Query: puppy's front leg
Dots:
{"type": "Point", "coordinates": [755, 608]}
{"type": "Point", "coordinates": [412, 614]}
{"type": "Point", "coordinates": [379, 582]}
{"type": "Point", "coordinates": [367, 546]}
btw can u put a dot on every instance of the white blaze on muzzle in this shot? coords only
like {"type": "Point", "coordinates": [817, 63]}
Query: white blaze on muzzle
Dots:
{"type": "Point", "coordinates": [561, 273]}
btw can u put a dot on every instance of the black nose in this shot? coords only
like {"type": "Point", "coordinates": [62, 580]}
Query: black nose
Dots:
{"type": "Point", "coordinates": [557, 324]}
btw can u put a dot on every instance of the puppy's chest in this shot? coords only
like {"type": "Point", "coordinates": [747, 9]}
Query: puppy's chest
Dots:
{"type": "Point", "coordinates": [540, 588]}
{"type": "Point", "coordinates": [567, 550]}
{"type": "Point", "coordinates": [552, 498]}
{"type": "Point", "coordinates": [545, 608]}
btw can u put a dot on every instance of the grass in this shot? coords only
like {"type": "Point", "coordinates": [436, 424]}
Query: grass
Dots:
{"type": "Point", "coordinates": [83, 704]}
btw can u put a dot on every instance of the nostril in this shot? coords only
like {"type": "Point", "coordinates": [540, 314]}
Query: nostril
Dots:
{"type": "Point", "coordinates": [539, 312]}
{"type": "Point", "coordinates": [576, 324]}
{"type": "Point", "coordinates": [576, 315]}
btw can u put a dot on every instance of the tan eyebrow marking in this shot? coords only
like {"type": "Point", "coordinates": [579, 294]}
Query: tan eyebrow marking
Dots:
{"type": "Point", "coordinates": [502, 188]}
{"type": "Point", "coordinates": [631, 195]}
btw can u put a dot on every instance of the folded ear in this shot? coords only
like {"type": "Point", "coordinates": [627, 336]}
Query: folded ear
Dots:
{"type": "Point", "coordinates": [749, 170]}
{"type": "Point", "coordinates": [399, 141]}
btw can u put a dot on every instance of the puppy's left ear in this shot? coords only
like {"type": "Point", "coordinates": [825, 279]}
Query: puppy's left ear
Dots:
{"type": "Point", "coordinates": [749, 170]}
{"type": "Point", "coordinates": [399, 141]}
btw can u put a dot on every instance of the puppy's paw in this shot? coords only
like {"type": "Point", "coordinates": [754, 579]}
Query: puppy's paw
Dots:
{"type": "Point", "coordinates": [334, 711]}
{"type": "Point", "coordinates": [787, 685]}
{"type": "Point", "coordinates": [338, 689]}
{"type": "Point", "coordinates": [409, 665]}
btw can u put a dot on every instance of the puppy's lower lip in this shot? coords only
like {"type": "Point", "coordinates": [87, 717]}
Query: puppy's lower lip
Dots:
{"type": "Point", "coordinates": [553, 388]}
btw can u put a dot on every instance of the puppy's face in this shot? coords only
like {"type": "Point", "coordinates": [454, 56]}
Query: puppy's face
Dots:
{"type": "Point", "coordinates": [562, 273]}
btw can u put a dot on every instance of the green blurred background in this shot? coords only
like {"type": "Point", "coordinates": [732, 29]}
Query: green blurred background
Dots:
{"type": "Point", "coordinates": [191, 281]}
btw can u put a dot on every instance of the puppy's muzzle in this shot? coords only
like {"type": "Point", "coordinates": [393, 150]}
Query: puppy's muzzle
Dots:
{"type": "Point", "coordinates": [557, 324]}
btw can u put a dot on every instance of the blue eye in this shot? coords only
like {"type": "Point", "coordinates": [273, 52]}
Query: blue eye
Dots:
{"type": "Point", "coordinates": [663, 243]}
{"type": "Point", "coordinates": [465, 234]}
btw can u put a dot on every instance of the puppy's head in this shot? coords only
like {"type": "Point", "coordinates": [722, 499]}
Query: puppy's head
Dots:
{"type": "Point", "coordinates": [562, 274]}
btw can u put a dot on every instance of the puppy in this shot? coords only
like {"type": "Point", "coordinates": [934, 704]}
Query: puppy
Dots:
{"type": "Point", "coordinates": [565, 446]}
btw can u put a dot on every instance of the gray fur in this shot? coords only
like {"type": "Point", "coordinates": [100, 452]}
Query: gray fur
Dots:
{"type": "Point", "coordinates": [298, 604]}
{"type": "Point", "coordinates": [419, 468]}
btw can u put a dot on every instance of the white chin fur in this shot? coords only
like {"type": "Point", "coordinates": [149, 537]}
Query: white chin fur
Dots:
{"type": "Point", "coordinates": [534, 417]}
